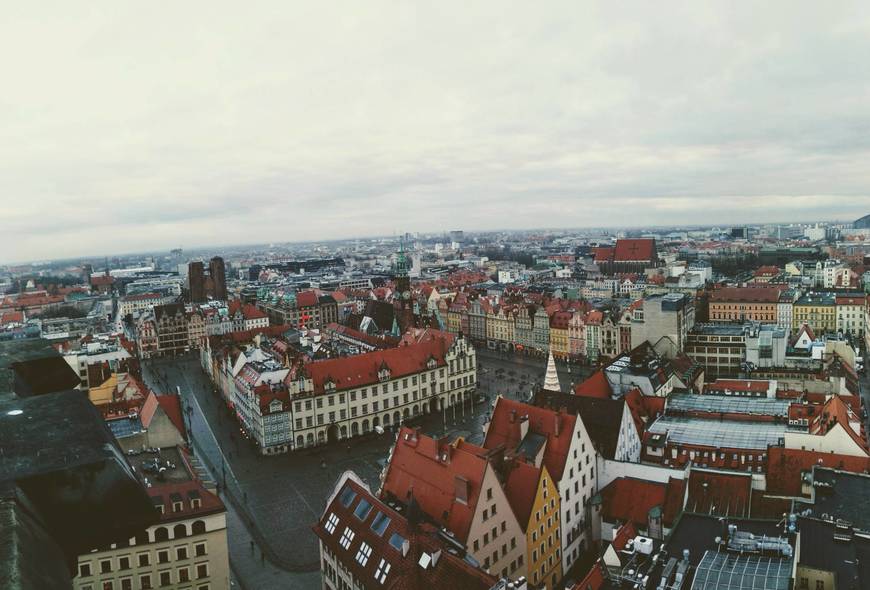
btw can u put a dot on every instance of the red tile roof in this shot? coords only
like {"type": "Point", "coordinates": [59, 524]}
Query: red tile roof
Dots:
{"type": "Point", "coordinates": [766, 271]}
{"type": "Point", "coordinates": [449, 571]}
{"type": "Point", "coordinates": [785, 467]}
{"type": "Point", "coordinates": [504, 429]}
{"type": "Point", "coordinates": [721, 494]}
{"type": "Point", "coordinates": [755, 386]}
{"type": "Point", "coordinates": [764, 294]}
{"type": "Point", "coordinates": [628, 499]}
{"type": "Point", "coordinates": [596, 385]}
{"type": "Point", "coordinates": [171, 406]}
{"type": "Point", "coordinates": [521, 487]}
{"type": "Point", "coordinates": [430, 469]}
{"type": "Point", "coordinates": [362, 369]}
{"type": "Point", "coordinates": [306, 299]}
{"type": "Point", "coordinates": [634, 250]}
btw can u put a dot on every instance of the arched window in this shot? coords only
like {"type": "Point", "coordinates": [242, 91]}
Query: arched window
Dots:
{"type": "Point", "coordinates": [300, 441]}
{"type": "Point", "coordinates": [198, 527]}
{"type": "Point", "coordinates": [354, 428]}
{"type": "Point", "coordinates": [180, 531]}
{"type": "Point", "coordinates": [309, 438]}
{"type": "Point", "coordinates": [365, 425]}
{"type": "Point", "coordinates": [161, 534]}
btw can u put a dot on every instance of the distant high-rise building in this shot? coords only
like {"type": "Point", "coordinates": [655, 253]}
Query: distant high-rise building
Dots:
{"type": "Point", "coordinates": [218, 273]}
{"type": "Point", "coordinates": [196, 280]}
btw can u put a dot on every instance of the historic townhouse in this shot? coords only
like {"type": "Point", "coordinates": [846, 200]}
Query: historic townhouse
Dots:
{"type": "Point", "coordinates": [457, 486]}
{"type": "Point", "coordinates": [187, 548]}
{"type": "Point", "coordinates": [524, 333]}
{"type": "Point", "coordinates": [559, 323]}
{"type": "Point", "coordinates": [593, 322]}
{"type": "Point", "coordinates": [742, 304]}
{"type": "Point", "coordinates": [560, 442]}
{"type": "Point", "coordinates": [500, 326]}
{"type": "Point", "coordinates": [817, 310]}
{"type": "Point", "coordinates": [576, 336]}
{"type": "Point", "coordinates": [367, 543]}
{"type": "Point", "coordinates": [541, 329]}
{"type": "Point", "coordinates": [850, 314]}
{"type": "Point", "coordinates": [347, 396]}
{"type": "Point", "coordinates": [477, 319]}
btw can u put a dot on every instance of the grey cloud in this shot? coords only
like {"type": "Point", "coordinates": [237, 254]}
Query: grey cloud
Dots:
{"type": "Point", "coordinates": [119, 125]}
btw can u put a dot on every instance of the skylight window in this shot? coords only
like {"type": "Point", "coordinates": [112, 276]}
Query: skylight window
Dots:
{"type": "Point", "coordinates": [362, 509]}
{"type": "Point", "coordinates": [397, 541]}
{"type": "Point", "coordinates": [346, 537]}
{"type": "Point", "coordinates": [347, 496]}
{"type": "Point", "coordinates": [331, 523]}
{"type": "Point", "coordinates": [382, 571]}
{"type": "Point", "coordinates": [365, 551]}
{"type": "Point", "coordinates": [380, 523]}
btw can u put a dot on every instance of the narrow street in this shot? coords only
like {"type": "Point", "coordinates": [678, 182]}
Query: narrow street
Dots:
{"type": "Point", "coordinates": [276, 499]}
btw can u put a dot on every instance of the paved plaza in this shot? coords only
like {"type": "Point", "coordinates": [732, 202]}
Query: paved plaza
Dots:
{"type": "Point", "coordinates": [274, 500]}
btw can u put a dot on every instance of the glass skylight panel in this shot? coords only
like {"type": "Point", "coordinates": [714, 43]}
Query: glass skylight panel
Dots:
{"type": "Point", "coordinates": [365, 551]}
{"type": "Point", "coordinates": [331, 523]}
{"type": "Point", "coordinates": [347, 496]}
{"type": "Point", "coordinates": [397, 541]}
{"type": "Point", "coordinates": [362, 509]}
{"type": "Point", "coordinates": [346, 537]}
{"type": "Point", "coordinates": [380, 523]}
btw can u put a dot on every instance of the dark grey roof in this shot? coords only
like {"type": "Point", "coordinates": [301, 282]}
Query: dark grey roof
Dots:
{"type": "Point", "coordinates": [531, 444]}
{"type": "Point", "coordinates": [601, 416]}
{"type": "Point", "coordinates": [847, 556]}
{"type": "Point", "coordinates": [33, 367]}
{"type": "Point", "coordinates": [842, 495]}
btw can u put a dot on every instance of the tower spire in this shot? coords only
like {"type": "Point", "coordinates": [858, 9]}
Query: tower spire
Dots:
{"type": "Point", "coordinates": [551, 378]}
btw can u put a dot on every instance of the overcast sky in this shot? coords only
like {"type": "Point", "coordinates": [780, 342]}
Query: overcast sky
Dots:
{"type": "Point", "coordinates": [127, 126]}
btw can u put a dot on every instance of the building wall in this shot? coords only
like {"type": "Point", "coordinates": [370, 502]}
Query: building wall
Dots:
{"type": "Point", "coordinates": [143, 560]}
{"type": "Point", "coordinates": [576, 489]}
{"type": "Point", "coordinates": [497, 542]}
{"type": "Point", "coordinates": [543, 535]}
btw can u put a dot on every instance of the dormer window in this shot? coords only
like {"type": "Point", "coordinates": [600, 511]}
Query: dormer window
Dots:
{"type": "Point", "coordinates": [329, 384]}
{"type": "Point", "coordinates": [177, 506]}
{"type": "Point", "coordinates": [431, 363]}
{"type": "Point", "coordinates": [384, 373]}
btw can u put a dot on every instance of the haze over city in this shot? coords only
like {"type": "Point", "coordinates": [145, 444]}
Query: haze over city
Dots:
{"type": "Point", "coordinates": [216, 124]}
{"type": "Point", "coordinates": [434, 296]}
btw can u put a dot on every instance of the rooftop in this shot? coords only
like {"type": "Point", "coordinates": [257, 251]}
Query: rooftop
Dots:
{"type": "Point", "coordinates": [717, 404]}
{"type": "Point", "coordinates": [719, 434]}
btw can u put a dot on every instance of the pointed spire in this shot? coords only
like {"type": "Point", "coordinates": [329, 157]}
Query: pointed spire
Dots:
{"type": "Point", "coordinates": [551, 378]}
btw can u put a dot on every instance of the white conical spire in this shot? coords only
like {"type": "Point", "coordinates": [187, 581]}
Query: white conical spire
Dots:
{"type": "Point", "coordinates": [551, 379]}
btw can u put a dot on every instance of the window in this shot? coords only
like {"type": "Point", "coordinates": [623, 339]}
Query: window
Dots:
{"type": "Point", "coordinates": [347, 496]}
{"type": "Point", "coordinates": [165, 578]}
{"type": "Point", "coordinates": [382, 571]}
{"type": "Point", "coordinates": [163, 556]}
{"type": "Point", "coordinates": [183, 574]}
{"type": "Point", "coordinates": [380, 523]}
{"type": "Point", "coordinates": [144, 559]}
{"type": "Point", "coordinates": [365, 551]}
{"type": "Point", "coordinates": [124, 562]}
{"type": "Point", "coordinates": [346, 537]}
{"type": "Point", "coordinates": [331, 523]}
{"type": "Point", "coordinates": [180, 553]}
{"type": "Point", "coordinates": [108, 585]}
{"type": "Point", "coordinates": [476, 545]}
{"type": "Point", "coordinates": [362, 509]}
{"type": "Point", "coordinates": [105, 566]}
{"type": "Point", "coordinates": [145, 582]}
{"type": "Point", "coordinates": [201, 570]}
{"type": "Point", "coordinates": [84, 570]}
{"type": "Point", "coordinates": [199, 549]}
{"type": "Point", "coordinates": [127, 584]}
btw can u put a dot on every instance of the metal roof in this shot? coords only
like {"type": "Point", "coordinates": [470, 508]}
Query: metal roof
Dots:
{"type": "Point", "coordinates": [737, 571]}
{"type": "Point", "coordinates": [762, 406]}
{"type": "Point", "coordinates": [718, 433]}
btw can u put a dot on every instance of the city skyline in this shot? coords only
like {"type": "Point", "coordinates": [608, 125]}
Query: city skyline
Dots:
{"type": "Point", "coordinates": [316, 123]}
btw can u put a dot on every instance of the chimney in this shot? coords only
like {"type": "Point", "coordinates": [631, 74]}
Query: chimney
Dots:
{"type": "Point", "coordinates": [558, 424]}
{"type": "Point", "coordinates": [461, 489]}
{"type": "Point", "coordinates": [513, 416]}
{"type": "Point", "coordinates": [524, 426]}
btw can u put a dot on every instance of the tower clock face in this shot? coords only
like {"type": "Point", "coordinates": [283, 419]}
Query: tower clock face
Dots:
{"type": "Point", "coordinates": [406, 294]}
